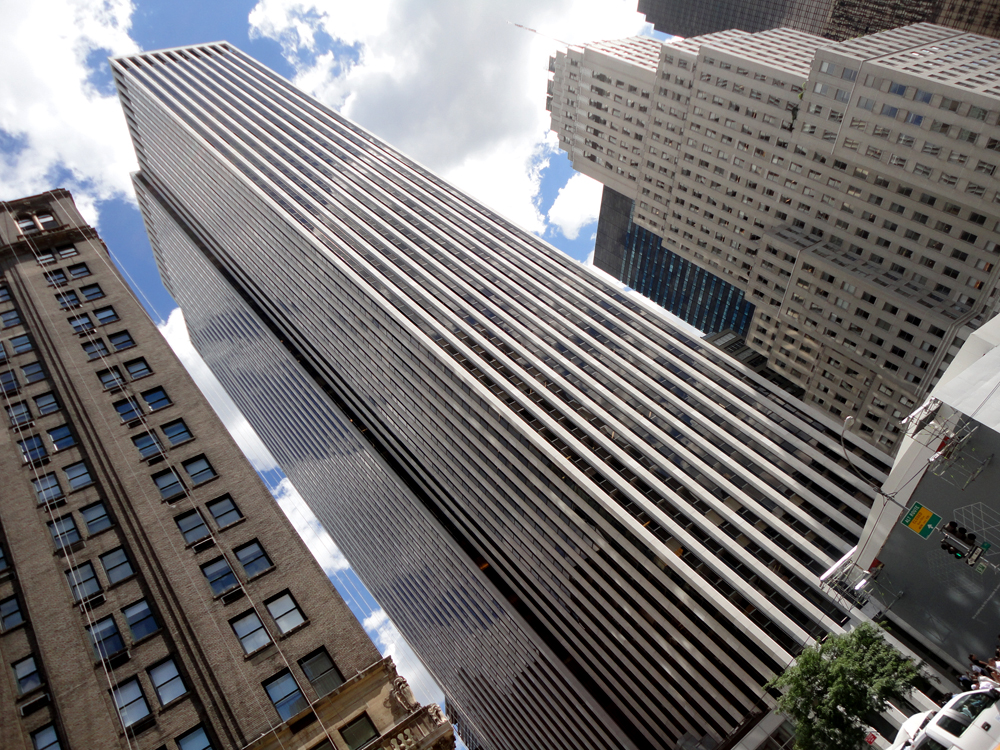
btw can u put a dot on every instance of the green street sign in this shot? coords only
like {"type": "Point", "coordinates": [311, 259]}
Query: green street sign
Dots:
{"type": "Point", "coordinates": [981, 568]}
{"type": "Point", "coordinates": [921, 520]}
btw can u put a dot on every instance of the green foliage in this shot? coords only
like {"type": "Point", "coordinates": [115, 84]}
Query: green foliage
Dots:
{"type": "Point", "coordinates": [833, 686]}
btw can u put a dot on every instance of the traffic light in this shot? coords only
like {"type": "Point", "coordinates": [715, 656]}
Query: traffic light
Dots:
{"type": "Point", "coordinates": [957, 541]}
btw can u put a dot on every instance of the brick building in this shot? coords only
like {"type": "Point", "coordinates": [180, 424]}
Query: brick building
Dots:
{"type": "Point", "coordinates": [152, 593]}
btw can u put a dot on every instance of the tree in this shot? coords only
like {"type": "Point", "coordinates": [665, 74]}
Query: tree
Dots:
{"type": "Point", "coordinates": [834, 685]}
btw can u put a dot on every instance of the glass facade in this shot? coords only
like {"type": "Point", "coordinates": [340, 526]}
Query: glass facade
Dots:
{"type": "Point", "coordinates": [572, 511]}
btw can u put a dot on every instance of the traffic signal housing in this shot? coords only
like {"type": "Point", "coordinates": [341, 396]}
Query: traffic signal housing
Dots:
{"type": "Point", "coordinates": [958, 542]}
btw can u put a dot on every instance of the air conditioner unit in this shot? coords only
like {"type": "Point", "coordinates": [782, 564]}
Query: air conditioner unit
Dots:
{"type": "Point", "coordinates": [39, 701]}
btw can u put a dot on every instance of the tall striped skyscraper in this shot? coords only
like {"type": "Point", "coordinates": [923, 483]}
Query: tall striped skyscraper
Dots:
{"type": "Point", "coordinates": [596, 531]}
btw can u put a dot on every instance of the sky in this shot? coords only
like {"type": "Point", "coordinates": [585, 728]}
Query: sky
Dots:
{"type": "Point", "coordinates": [454, 84]}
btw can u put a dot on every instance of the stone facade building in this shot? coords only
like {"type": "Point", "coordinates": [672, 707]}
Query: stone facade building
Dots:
{"type": "Point", "coordinates": [848, 188]}
{"type": "Point", "coordinates": [152, 593]}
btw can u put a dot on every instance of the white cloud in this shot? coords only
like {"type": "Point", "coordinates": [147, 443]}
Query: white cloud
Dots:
{"type": "Point", "coordinates": [176, 333]}
{"type": "Point", "coordinates": [576, 206]}
{"type": "Point", "coordinates": [64, 128]}
{"type": "Point", "coordinates": [391, 643]}
{"type": "Point", "coordinates": [323, 548]}
{"type": "Point", "coordinates": [451, 83]}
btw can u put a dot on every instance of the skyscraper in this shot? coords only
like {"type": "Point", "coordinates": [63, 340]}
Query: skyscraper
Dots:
{"type": "Point", "coordinates": [596, 531]}
{"type": "Point", "coordinates": [848, 188]}
{"type": "Point", "coordinates": [152, 593]}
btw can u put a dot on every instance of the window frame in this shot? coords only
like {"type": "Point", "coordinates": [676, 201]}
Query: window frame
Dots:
{"type": "Point", "coordinates": [114, 572]}
{"type": "Point", "coordinates": [294, 608]}
{"type": "Point", "coordinates": [131, 623]}
{"type": "Point", "coordinates": [252, 634]}
{"type": "Point", "coordinates": [253, 560]}
{"type": "Point", "coordinates": [132, 683]}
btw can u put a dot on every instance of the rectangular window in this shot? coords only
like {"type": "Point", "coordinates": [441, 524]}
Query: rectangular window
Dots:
{"type": "Point", "coordinates": [4, 293]}
{"type": "Point", "coordinates": [18, 414]}
{"type": "Point", "coordinates": [156, 399]}
{"type": "Point", "coordinates": [251, 632]}
{"type": "Point", "coordinates": [68, 300]}
{"type": "Point", "coordinates": [46, 403]}
{"type": "Point", "coordinates": [224, 511]}
{"type": "Point", "coordinates": [140, 620]}
{"type": "Point", "coordinates": [81, 323]}
{"type": "Point", "coordinates": [10, 614]}
{"type": "Point", "coordinates": [105, 638]}
{"type": "Point", "coordinates": [285, 612]}
{"type": "Point", "coordinates": [26, 675]}
{"type": "Point", "coordinates": [56, 278]}
{"type": "Point", "coordinates": [359, 732]}
{"type": "Point", "coordinates": [63, 531]}
{"type": "Point", "coordinates": [137, 368]}
{"type": "Point", "coordinates": [199, 470]}
{"type": "Point", "coordinates": [91, 292]}
{"type": "Point", "coordinates": [128, 410]}
{"type": "Point", "coordinates": [176, 432]}
{"type": "Point", "coordinates": [78, 271]}
{"type": "Point", "coordinates": [32, 449]}
{"type": "Point", "coordinates": [321, 672]}
{"type": "Point", "coordinates": [148, 445]}
{"type": "Point", "coordinates": [96, 517]}
{"type": "Point", "coordinates": [116, 565]}
{"type": "Point", "coordinates": [121, 340]}
{"type": "Point", "coordinates": [8, 382]}
{"type": "Point", "coordinates": [61, 437]}
{"type": "Point", "coordinates": [47, 488]}
{"type": "Point", "coordinates": [285, 695]}
{"type": "Point", "coordinates": [130, 701]}
{"type": "Point", "coordinates": [19, 345]}
{"type": "Point", "coordinates": [78, 476]}
{"type": "Point", "coordinates": [33, 372]}
{"type": "Point", "coordinates": [253, 559]}
{"type": "Point", "coordinates": [95, 349]}
{"type": "Point", "coordinates": [197, 739]}
{"type": "Point", "coordinates": [83, 581]}
{"type": "Point", "coordinates": [169, 484]}
{"type": "Point", "coordinates": [105, 315]}
{"type": "Point", "coordinates": [167, 681]}
{"type": "Point", "coordinates": [45, 739]}
{"type": "Point", "coordinates": [220, 576]}
{"type": "Point", "coordinates": [192, 526]}
{"type": "Point", "coordinates": [10, 318]}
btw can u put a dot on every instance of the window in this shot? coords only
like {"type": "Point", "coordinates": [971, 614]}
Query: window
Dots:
{"type": "Point", "coordinates": [140, 620]}
{"type": "Point", "coordinates": [285, 695]}
{"type": "Point", "coordinates": [199, 470]}
{"type": "Point", "coordinates": [9, 319]}
{"type": "Point", "coordinates": [91, 292]}
{"type": "Point", "coordinates": [105, 315]}
{"type": "Point", "coordinates": [63, 531]}
{"type": "Point", "coordinates": [169, 484]}
{"type": "Point", "coordinates": [26, 675]}
{"type": "Point", "coordinates": [253, 559]}
{"type": "Point", "coordinates": [4, 293]}
{"type": "Point", "coordinates": [192, 526]}
{"type": "Point", "coordinates": [121, 340]}
{"type": "Point", "coordinates": [46, 403]}
{"type": "Point", "coordinates": [32, 449]}
{"type": "Point", "coordinates": [18, 414]}
{"type": "Point", "coordinates": [196, 739]}
{"type": "Point", "coordinates": [47, 488]}
{"type": "Point", "coordinates": [156, 399]}
{"type": "Point", "coordinates": [83, 581]}
{"type": "Point", "coordinates": [167, 681]}
{"type": "Point", "coordinates": [10, 614]}
{"type": "Point", "coordinates": [131, 703]}
{"type": "Point", "coordinates": [95, 349]}
{"type": "Point", "coordinates": [220, 576]}
{"type": "Point", "coordinates": [359, 732]}
{"type": "Point", "coordinates": [148, 445]}
{"type": "Point", "coordinates": [33, 372]}
{"type": "Point", "coordinates": [96, 517]}
{"type": "Point", "coordinates": [20, 344]}
{"type": "Point", "coordinates": [127, 409]}
{"type": "Point", "coordinates": [176, 432]}
{"type": "Point", "coordinates": [321, 672]}
{"type": "Point", "coordinates": [4, 562]}
{"type": "Point", "coordinates": [116, 565]}
{"type": "Point", "coordinates": [45, 739]}
{"type": "Point", "coordinates": [105, 638]}
{"type": "Point", "coordinates": [224, 511]}
{"type": "Point", "coordinates": [78, 271]}
{"type": "Point", "coordinates": [8, 382]}
{"type": "Point", "coordinates": [81, 323]}
{"type": "Point", "coordinates": [285, 612]}
{"type": "Point", "coordinates": [68, 300]}
{"type": "Point", "coordinates": [250, 630]}
{"type": "Point", "coordinates": [61, 437]}
{"type": "Point", "coordinates": [55, 278]}
{"type": "Point", "coordinates": [78, 476]}
{"type": "Point", "coordinates": [137, 368]}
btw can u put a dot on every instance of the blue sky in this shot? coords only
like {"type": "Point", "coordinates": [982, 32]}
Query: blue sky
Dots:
{"type": "Point", "coordinates": [452, 83]}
